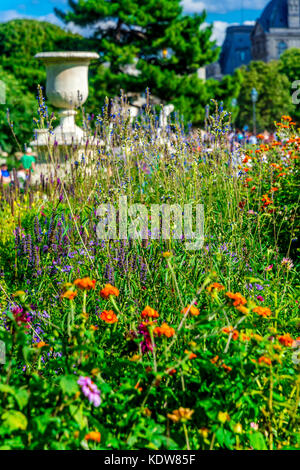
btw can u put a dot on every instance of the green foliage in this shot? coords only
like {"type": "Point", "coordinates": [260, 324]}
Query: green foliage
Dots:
{"type": "Point", "coordinates": [138, 34]}
{"type": "Point", "coordinates": [274, 95]}
{"type": "Point", "coordinates": [289, 64]}
{"type": "Point", "coordinates": [21, 105]}
{"type": "Point", "coordinates": [223, 376]}
{"type": "Point", "coordinates": [21, 40]}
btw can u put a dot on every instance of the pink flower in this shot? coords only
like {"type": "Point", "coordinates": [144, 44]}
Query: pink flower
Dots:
{"type": "Point", "coordinates": [254, 426]}
{"type": "Point", "coordinates": [90, 390]}
{"type": "Point", "coordinates": [269, 268]}
{"type": "Point", "coordinates": [260, 298]}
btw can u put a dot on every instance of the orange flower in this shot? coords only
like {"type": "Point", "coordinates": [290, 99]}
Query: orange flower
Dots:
{"type": "Point", "coordinates": [244, 337]}
{"type": "Point", "coordinates": [286, 339]}
{"type": "Point", "coordinates": [243, 309]}
{"type": "Point", "coordinates": [214, 359]}
{"type": "Point", "coordinates": [265, 360]}
{"type": "Point", "coordinates": [273, 189]}
{"type": "Point", "coordinates": [109, 290]}
{"type": "Point", "coordinates": [69, 294]}
{"type": "Point", "coordinates": [93, 436]}
{"type": "Point", "coordinates": [41, 344]}
{"type": "Point", "coordinates": [262, 311]}
{"type": "Point", "coordinates": [227, 368]}
{"type": "Point", "coordinates": [234, 333]}
{"type": "Point", "coordinates": [165, 330]}
{"type": "Point", "coordinates": [109, 316]}
{"type": "Point", "coordinates": [237, 297]}
{"type": "Point", "coordinates": [182, 414]}
{"type": "Point", "coordinates": [191, 309]}
{"type": "Point", "coordinates": [149, 312]}
{"type": "Point", "coordinates": [215, 286]}
{"type": "Point", "coordinates": [94, 328]}
{"type": "Point", "coordinates": [85, 283]}
{"type": "Point", "coordinates": [191, 354]}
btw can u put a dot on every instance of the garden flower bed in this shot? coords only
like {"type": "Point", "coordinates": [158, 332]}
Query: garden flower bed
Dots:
{"type": "Point", "coordinates": [134, 344]}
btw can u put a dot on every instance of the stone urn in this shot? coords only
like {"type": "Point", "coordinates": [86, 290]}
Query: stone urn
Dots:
{"type": "Point", "coordinates": [66, 89]}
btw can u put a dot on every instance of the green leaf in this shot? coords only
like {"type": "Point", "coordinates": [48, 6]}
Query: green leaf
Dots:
{"type": "Point", "coordinates": [257, 441]}
{"type": "Point", "coordinates": [22, 397]}
{"type": "Point", "coordinates": [68, 384]}
{"type": "Point", "coordinates": [14, 419]}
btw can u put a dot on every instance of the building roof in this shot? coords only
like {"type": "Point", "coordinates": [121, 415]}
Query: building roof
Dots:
{"type": "Point", "coordinates": [275, 15]}
{"type": "Point", "coordinates": [236, 49]}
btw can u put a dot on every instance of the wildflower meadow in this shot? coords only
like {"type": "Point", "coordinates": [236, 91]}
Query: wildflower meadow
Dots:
{"type": "Point", "coordinates": [142, 339]}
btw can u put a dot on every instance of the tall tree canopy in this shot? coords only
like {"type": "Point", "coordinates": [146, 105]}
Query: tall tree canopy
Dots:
{"type": "Point", "coordinates": [274, 95]}
{"type": "Point", "coordinates": [165, 47]}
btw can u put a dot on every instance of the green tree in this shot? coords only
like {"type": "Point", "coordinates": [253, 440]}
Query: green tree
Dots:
{"type": "Point", "coordinates": [274, 96]}
{"type": "Point", "coordinates": [165, 47]}
{"type": "Point", "coordinates": [289, 64]}
{"type": "Point", "coordinates": [21, 73]}
{"type": "Point", "coordinates": [20, 40]}
{"type": "Point", "coordinates": [19, 109]}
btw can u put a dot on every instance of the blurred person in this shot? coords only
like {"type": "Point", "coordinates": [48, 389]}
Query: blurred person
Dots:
{"type": "Point", "coordinates": [28, 160]}
{"type": "Point", "coordinates": [5, 176]}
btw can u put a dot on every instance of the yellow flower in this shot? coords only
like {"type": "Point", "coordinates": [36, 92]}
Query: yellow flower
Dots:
{"type": "Point", "coordinates": [223, 416]}
{"type": "Point", "coordinates": [204, 432]}
{"type": "Point", "coordinates": [182, 414]}
{"type": "Point", "coordinates": [238, 429]}
{"type": "Point", "coordinates": [167, 254]}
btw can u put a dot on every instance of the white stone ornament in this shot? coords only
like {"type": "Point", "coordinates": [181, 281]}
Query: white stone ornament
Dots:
{"type": "Point", "coordinates": [67, 89]}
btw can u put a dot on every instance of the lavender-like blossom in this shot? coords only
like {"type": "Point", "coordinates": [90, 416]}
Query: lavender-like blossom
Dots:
{"type": "Point", "coordinates": [90, 390]}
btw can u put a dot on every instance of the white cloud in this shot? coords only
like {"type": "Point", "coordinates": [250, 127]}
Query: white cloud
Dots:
{"type": "Point", "coordinates": [221, 6]}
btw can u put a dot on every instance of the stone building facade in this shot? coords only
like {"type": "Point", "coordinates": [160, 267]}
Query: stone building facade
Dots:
{"type": "Point", "coordinates": [277, 30]}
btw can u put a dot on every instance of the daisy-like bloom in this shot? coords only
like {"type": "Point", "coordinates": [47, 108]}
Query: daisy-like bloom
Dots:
{"type": "Point", "coordinates": [191, 354]}
{"type": "Point", "coordinates": [269, 268]}
{"type": "Point", "coordinates": [194, 311]}
{"type": "Point", "coordinates": [93, 436]}
{"type": "Point", "coordinates": [262, 311]}
{"type": "Point", "coordinates": [149, 312]}
{"type": "Point", "coordinates": [85, 283]}
{"type": "Point", "coordinates": [242, 309]}
{"type": "Point", "coordinates": [165, 330]}
{"type": "Point", "coordinates": [109, 316]}
{"type": "Point", "coordinates": [227, 368]}
{"type": "Point", "coordinates": [223, 416]}
{"type": "Point", "coordinates": [214, 360]}
{"type": "Point", "coordinates": [229, 329]}
{"type": "Point", "coordinates": [90, 390]}
{"type": "Point", "coordinates": [21, 317]}
{"type": "Point", "coordinates": [40, 344]}
{"type": "Point", "coordinates": [215, 286]}
{"type": "Point", "coordinates": [244, 337]}
{"type": "Point", "coordinates": [265, 360]}
{"type": "Point", "coordinates": [286, 339]}
{"type": "Point", "coordinates": [109, 290]}
{"type": "Point", "coordinates": [181, 415]}
{"type": "Point", "coordinates": [237, 298]}
{"type": "Point", "coordinates": [287, 262]}
{"type": "Point", "coordinates": [203, 432]}
{"type": "Point", "coordinates": [69, 294]}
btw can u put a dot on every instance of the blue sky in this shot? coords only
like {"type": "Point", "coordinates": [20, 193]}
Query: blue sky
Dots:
{"type": "Point", "coordinates": [220, 12]}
